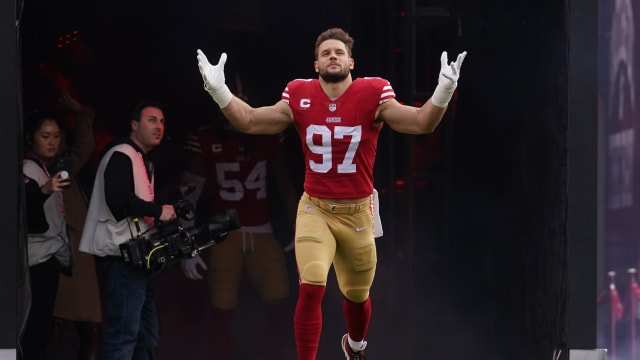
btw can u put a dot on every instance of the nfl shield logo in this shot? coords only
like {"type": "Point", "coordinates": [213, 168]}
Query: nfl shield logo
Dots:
{"type": "Point", "coordinates": [332, 107]}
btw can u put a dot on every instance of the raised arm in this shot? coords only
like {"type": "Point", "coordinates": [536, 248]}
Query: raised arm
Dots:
{"type": "Point", "coordinates": [425, 119]}
{"type": "Point", "coordinates": [83, 135]}
{"type": "Point", "coordinates": [247, 119]}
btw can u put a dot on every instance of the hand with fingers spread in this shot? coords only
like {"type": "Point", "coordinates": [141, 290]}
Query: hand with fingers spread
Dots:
{"type": "Point", "coordinates": [190, 267]}
{"type": "Point", "coordinates": [213, 77]}
{"type": "Point", "coordinates": [448, 79]}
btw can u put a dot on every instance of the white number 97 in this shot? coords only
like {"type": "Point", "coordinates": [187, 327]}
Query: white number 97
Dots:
{"type": "Point", "coordinates": [325, 148]}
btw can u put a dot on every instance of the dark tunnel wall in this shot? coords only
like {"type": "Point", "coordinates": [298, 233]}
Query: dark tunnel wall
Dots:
{"type": "Point", "coordinates": [473, 263]}
{"type": "Point", "coordinates": [507, 253]}
{"type": "Point", "coordinates": [11, 267]}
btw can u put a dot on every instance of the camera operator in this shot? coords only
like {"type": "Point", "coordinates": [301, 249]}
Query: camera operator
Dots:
{"type": "Point", "coordinates": [121, 208]}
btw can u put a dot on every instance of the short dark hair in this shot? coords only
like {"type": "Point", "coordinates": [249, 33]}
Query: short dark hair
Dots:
{"type": "Point", "coordinates": [335, 34]}
{"type": "Point", "coordinates": [137, 111]}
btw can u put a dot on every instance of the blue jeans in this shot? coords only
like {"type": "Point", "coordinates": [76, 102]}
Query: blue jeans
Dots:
{"type": "Point", "coordinates": [131, 330]}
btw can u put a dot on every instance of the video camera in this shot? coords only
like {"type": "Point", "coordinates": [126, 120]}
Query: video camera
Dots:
{"type": "Point", "coordinates": [173, 241]}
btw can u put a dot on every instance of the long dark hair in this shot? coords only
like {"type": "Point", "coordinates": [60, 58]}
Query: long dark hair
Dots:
{"type": "Point", "coordinates": [33, 121]}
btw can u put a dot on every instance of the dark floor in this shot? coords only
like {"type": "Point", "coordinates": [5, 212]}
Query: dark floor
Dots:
{"type": "Point", "coordinates": [183, 314]}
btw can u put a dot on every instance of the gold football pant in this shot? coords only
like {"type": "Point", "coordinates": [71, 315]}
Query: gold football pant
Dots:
{"type": "Point", "coordinates": [260, 254]}
{"type": "Point", "coordinates": [338, 234]}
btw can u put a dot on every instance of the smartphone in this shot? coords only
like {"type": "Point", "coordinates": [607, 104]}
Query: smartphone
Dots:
{"type": "Point", "coordinates": [63, 163]}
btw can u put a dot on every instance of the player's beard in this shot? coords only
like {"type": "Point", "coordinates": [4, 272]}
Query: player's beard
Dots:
{"type": "Point", "coordinates": [334, 77]}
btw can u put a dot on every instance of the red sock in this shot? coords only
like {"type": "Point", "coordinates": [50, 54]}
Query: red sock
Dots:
{"type": "Point", "coordinates": [308, 320]}
{"type": "Point", "coordinates": [357, 316]}
{"type": "Point", "coordinates": [220, 334]}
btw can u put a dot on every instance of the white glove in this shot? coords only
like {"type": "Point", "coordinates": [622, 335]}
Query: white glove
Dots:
{"type": "Point", "coordinates": [190, 267]}
{"type": "Point", "coordinates": [447, 80]}
{"type": "Point", "coordinates": [213, 77]}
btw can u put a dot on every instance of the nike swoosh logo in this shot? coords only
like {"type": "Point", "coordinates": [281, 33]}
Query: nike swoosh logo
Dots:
{"type": "Point", "coordinates": [358, 229]}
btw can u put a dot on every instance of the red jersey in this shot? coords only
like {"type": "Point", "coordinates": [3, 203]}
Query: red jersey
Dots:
{"type": "Point", "coordinates": [338, 136]}
{"type": "Point", "coordinates": [236, 166]}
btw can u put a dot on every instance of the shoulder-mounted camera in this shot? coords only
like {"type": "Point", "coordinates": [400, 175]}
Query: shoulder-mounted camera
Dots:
{"type": "Point", "coordinates": [168, 242]}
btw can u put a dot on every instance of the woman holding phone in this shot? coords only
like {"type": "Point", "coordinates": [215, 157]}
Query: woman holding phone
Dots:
{"type": "Point", "coordinates": [48, 248]}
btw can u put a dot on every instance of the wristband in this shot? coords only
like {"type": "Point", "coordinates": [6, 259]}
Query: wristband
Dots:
{"type": "Point", "coordinates": [442, 95]}
{"type": "Point", "coordinates": [221, 96]}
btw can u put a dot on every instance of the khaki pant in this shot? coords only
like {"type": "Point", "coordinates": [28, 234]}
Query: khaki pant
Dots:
{"type": "Point", "coordinates": [336, 234]}
{"type": "Point", "coordinates": [260, 254]}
